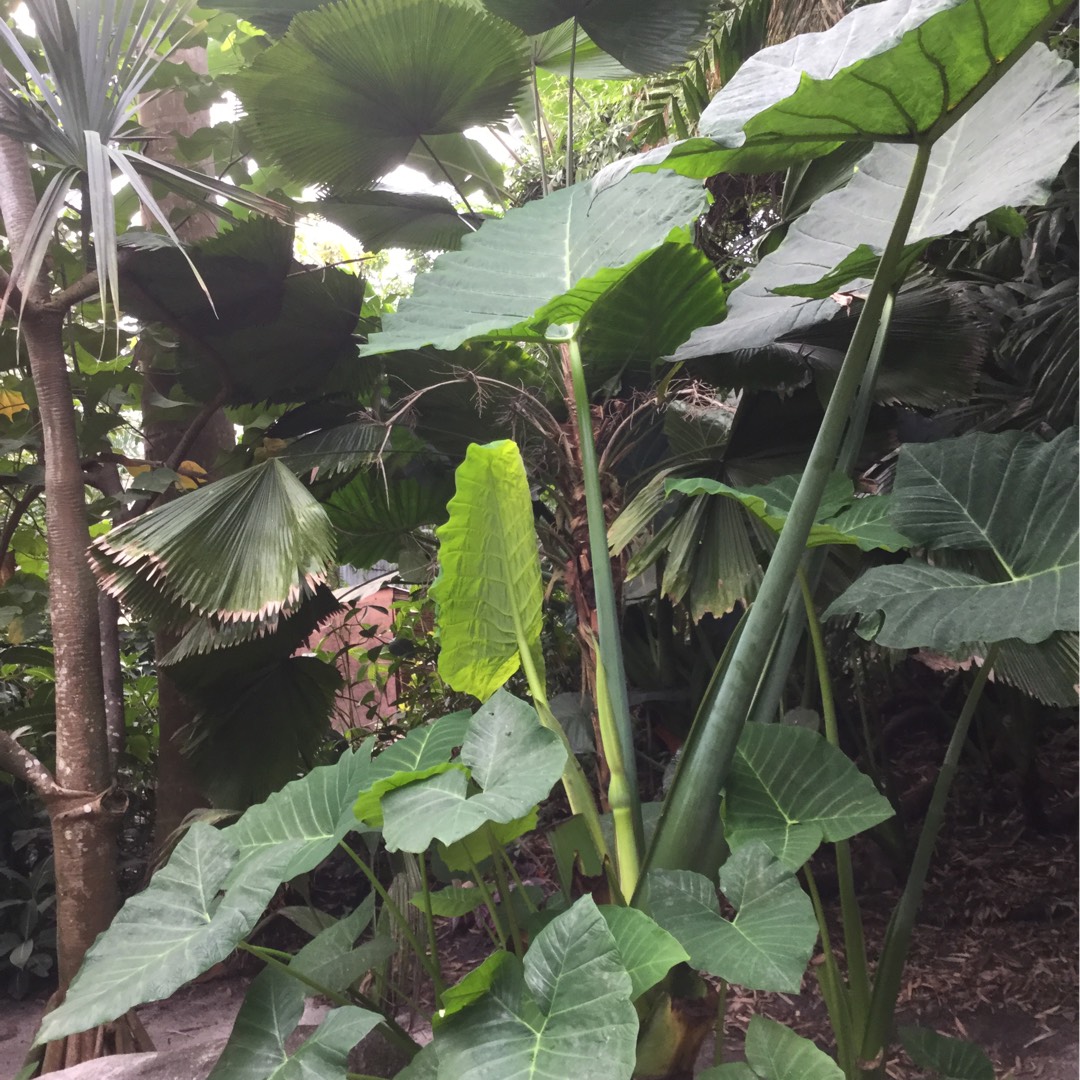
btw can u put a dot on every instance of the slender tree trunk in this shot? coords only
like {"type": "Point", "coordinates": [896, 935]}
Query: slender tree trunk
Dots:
{"type": "Point", "coordinates": [83, 830]}
{"type": "Point", "coordinates": [83, 803]}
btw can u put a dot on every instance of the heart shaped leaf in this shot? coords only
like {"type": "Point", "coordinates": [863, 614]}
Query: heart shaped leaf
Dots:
{"type": "Point", "coordinates": [563, 1011]}
{"type": "Point", "coordinates": [790, 789]}
{"type": "Point", "coordinates": [768, 944]}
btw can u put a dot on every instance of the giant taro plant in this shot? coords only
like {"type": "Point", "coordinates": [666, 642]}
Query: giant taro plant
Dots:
{"type": "Point", "coordinates": [932, 89]}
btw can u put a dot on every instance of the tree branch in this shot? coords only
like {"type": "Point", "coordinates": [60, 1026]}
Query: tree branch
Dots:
{"type": "Point", "coordinates": [87, 286]}
{"type": "Point", "coordinates": [15, 515]}
{"type": "Point", "coordinates": [194, 429]}
{"type": "Point", "coordinates": [17, 760]}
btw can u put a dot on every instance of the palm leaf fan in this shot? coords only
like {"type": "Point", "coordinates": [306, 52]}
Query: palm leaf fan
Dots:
{"type": "Point", "coordinates": [375, 518]}
{"type": "Point", "coordinates": [210, 650]}
{"type": "Point", "coordinates": [240, 549]}
{"type": "Point", "coordinates": [382, 218]}
{"type": "Point", "coordinates": [353, 87]}
{"type": "Point", "coordinates": [644, 35]}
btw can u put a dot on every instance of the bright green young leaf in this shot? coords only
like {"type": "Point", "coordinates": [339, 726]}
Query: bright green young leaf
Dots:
{"type": "Point", "coordinates": [488, 594]}
{"type": "Point", "coordinates": [423, 752]}
{"type": "Point", "coordinates": [266, 536]}
{"type": "Point", "coordinates": [648, 951]}
{"type": "Point", "coordinates": [645, 36]}
{"type": "Point", "coordinates": [512, 757]}
{"type": "Point", "coordinates": [544, 263]}
{"type": "Point", "coordinates": [383, 218]}
{"type": "Point", "coordinates": [1028, 120]}
{"type": "Point", "coordinates": [790, 789]}
{"type": "Point", "coordinates": [842, 518]}
{"type": "Point", "coordinates": [775, 1052]}
{"type": "Point", "coordinates": [353, 87]}
{"type": "Point", "coordinates": [564, 1011]}
{"type": "Point", "coordinates": [887, 71]}
{"type": "Point", "coordinates": [271, 1010]}
{"type": "Point", "coordinates": [1010, 494]}
{"type": "Point", "coordinates": [472, 987]}
{"type": "Point", "coordinates": [451, 902]}
{"type": "Point", "coordinates": [766, 947]}
{"type": "Point", "coordinates": [951, 1059]}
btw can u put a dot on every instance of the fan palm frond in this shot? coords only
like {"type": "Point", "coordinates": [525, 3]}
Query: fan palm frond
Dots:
{"type": "Point", "coordinates": [238, 550]}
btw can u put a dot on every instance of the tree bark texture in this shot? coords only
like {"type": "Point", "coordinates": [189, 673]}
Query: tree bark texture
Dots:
{"type": "Point", "coordinates": [84, 806]}
{"type": "Point", "coordinates": [85, 820]}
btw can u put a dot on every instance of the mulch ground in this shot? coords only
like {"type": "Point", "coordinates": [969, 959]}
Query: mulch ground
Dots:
{"type": "Point", "coordinates": [995, 954]}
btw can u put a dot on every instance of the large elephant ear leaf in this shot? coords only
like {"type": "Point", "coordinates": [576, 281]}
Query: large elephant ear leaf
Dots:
{"type": "Point", "coordinates": [511, 757]}
{"type": "Point", "coordinates": [354, 86]}
{"type": "Point", "coordinates": [1028, 120]}
{"type": "Point", "coordinates": [1011, 495]}
{"type": "Point", "coordinates": [564, 1010]}
{"type": "Point", "coordinates": [768, 944]}
{"type": "Point", "coordinates": [489, 594]}
{"type": "Point", "coordinates": [209, 895]}
{"type": "Point", "coordinates": [578, 246]}
{"type": "Point", "coordinates": [775, 1052]}
{"type": "Point", "coordinates": [239, 549]}
{"type": "Point", "coordinates": [645, 36]}
{"type": "Point", "coordinates": [887, 71]}
{"type": "Point", "coordinates": [769, 797]}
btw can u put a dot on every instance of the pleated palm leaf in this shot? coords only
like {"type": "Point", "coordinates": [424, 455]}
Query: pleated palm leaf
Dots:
{"type": "Point", "coordinates": [643, 35]}
{"type": "Point", "coordinates": [79, 108]}
{"type": "Point", "coordinates": [354, 87]}
{"type": "Point", "coordinates": [239, 550]}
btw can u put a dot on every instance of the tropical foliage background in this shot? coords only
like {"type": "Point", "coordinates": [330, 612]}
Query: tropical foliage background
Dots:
{"type": "Point", "coordinates": [701, 375]}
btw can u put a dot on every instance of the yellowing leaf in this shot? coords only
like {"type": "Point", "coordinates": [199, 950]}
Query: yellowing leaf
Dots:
{"type": "Point", "coordinates": [191, 476]}
{"type": "Point", "coordinates": [137, 470]}
{"type": "Point", "coordinates": [12, 402]}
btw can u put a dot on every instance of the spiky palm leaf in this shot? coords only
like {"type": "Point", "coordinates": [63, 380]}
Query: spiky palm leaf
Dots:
{"type": "Point", "coordinates": [80, 109]}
